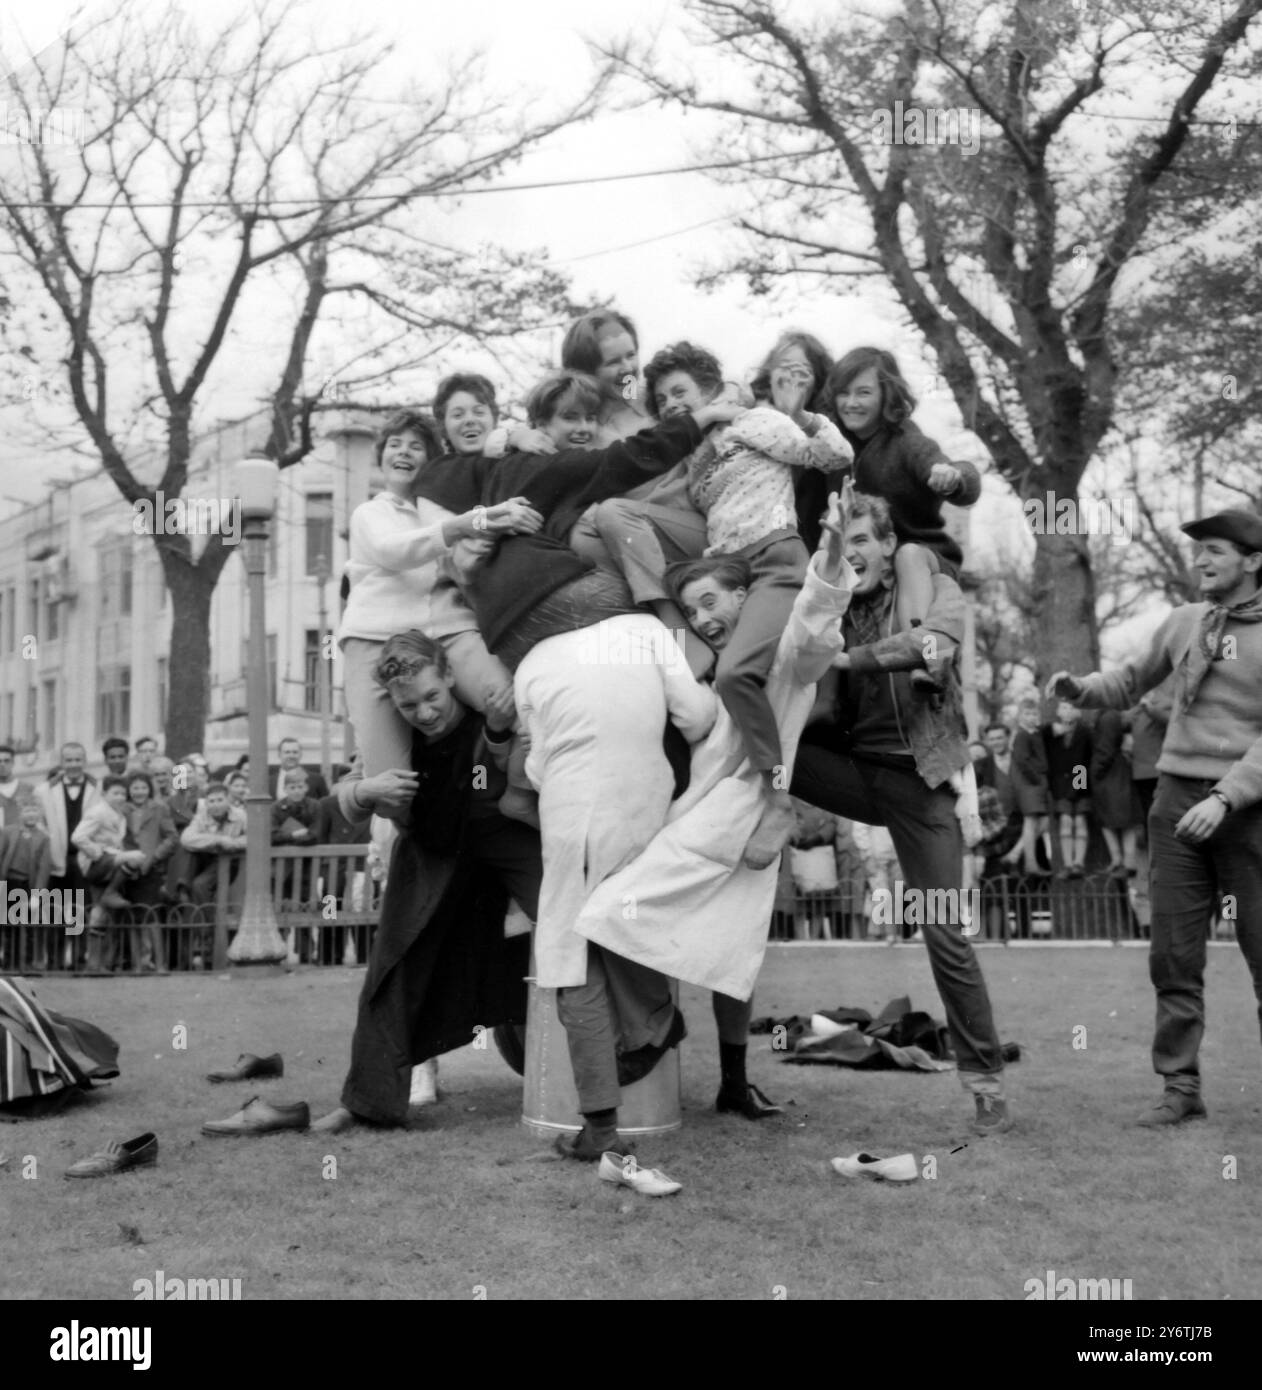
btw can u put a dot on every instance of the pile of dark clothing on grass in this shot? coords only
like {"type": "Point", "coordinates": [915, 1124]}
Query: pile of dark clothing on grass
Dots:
{"type": "Point", "coordinates": [899, 1037]}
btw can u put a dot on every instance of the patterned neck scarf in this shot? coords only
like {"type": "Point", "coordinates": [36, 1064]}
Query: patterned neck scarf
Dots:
{"type": "Point", "coordinates": [867, 613]}
{"type": "Point", "coordinates": [1203, 652]}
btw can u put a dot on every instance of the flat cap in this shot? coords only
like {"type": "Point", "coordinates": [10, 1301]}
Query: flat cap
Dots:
{"type": "Point", "coordinates": [1235, 524]}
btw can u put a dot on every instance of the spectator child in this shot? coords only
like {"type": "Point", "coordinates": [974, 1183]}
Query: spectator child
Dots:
{"type": "Point", "coordinates": [104, 861]}
{"type": "Point", "coordinates": [1068, 767]}
{"type": "Point", "coordinates": [1030, 781]}
{"type": "Point", "coordinates": [216, 828]}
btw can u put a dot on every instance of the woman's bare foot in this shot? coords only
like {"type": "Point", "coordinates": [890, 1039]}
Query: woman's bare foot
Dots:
{"type": "Point", "coordinates": [770, 836]}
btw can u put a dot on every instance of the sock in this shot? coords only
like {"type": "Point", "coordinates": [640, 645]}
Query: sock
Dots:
{"type": "Point", "coordinates": [732, 1066]}
{"type": "Point", "coordinates": [600, 1121]}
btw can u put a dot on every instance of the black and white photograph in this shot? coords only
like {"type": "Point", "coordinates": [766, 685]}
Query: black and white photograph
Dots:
{"type": "Point", "coordinates": [630, 667]}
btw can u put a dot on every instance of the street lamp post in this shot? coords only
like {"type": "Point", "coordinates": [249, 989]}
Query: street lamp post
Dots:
{"type": "Point", "coordinates": [257, 941]}
{"type": "Point", "coordinates": [324, 671]}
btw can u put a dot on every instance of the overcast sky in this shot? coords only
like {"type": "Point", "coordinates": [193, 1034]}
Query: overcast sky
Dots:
{"type": "Point", "coordinates": [538, 47]}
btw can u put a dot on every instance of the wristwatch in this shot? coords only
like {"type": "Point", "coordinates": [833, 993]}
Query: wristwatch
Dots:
{"type": "Point", "coordinates": [1222, 797]}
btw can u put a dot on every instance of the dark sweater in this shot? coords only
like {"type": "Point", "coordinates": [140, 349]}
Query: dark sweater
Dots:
{"type": "Point", "coordinates": [895, 464]}
{"type": "Point", "coordinates": [524, 570]}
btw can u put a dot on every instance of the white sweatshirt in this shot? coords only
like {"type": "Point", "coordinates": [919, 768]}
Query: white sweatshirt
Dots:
{"type": "Point", "coordinates": [393, 569]}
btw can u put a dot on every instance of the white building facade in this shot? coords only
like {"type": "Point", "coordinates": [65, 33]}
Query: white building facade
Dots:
{"type": "Point", "coordinates": [85, 615]}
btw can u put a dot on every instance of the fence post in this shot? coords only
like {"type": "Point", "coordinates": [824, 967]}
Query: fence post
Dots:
{"type": "Point", "coordinates": [219, 953]}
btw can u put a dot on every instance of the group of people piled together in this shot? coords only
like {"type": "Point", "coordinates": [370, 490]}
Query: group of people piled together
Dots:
{"type": "Point", "coordinates": [608, 623]}
{"type": "Point", "coordinates": [594, 660]}
{"type": "Point", "coordinates": [580, 655]}
{"type": "Point", "coordinates": [142, 840]}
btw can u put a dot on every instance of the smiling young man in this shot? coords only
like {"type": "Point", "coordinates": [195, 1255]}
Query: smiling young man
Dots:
{"type": "Point", "coordinates": [1205, 825]}
{"type": "Point", "coordinates": [884, 757]}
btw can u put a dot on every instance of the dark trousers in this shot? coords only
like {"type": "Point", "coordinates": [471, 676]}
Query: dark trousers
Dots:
{"type": "Point", "coordinates": [620, 1007]}
{"type": "Point", "coordinates": [380, 1078]}
{"type": "Point", "coordinates": [926, 835]}
{"type": "Point", "coordinates": [1190, 884]}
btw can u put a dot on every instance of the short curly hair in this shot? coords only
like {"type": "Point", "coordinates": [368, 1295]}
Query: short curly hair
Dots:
{"type": "Point", "coordinates": [398, 422]}
{"type": "Point", "coordinates": [406, 653]}
{"type": "Point", "coordinates": [702, 366]}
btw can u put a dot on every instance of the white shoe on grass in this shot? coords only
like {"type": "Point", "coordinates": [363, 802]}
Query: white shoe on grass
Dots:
{"type": "Point", "coordinates": [650, 1182]}
{"type": "Point", "coordinates": [900, 1169]}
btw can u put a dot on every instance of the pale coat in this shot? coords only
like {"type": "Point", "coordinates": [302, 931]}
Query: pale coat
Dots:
{"type": "Point", "coordinates": [594, 704]}
{"type": "Point", "coordinates": [688, 906]}
{"type": "Point", "coordinates": [53, 805]}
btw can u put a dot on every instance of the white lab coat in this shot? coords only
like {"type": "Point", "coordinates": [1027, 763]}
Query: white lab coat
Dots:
{"type": "Point", "coordinates": [688, 906]}
{"type": "Point", "coordinates": [594, 704]}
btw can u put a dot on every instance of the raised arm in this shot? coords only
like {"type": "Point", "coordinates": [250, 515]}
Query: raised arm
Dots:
{"type": "Point", "coordinates": [817, 443]}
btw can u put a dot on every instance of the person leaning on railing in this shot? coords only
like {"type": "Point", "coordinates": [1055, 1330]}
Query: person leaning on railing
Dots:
{"type": "Point", "coordinates": [217, 828]}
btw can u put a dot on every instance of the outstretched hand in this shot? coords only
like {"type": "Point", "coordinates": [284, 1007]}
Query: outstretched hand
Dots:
{"type": "Point", "coordinates": [1063, 686]}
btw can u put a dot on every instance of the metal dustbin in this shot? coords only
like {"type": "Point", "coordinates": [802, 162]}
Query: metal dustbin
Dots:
{"type": "Point", "coordinates": [550, 1101]}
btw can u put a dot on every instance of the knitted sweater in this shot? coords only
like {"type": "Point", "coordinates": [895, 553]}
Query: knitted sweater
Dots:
{"type": "Point", "coordinates": [741, 477]}
{"type": "Point", "coordinates": [395, 551]}
{"type": "Point", "coordinates": [524, 570]}
{"type": "Point", "coordinates": [1219, 738]}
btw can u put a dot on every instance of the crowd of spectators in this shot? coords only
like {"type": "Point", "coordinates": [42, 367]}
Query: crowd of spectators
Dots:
{"type": "Point", "coordinates": [144, 841]}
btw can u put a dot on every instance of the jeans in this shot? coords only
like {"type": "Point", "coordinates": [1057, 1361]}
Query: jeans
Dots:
{"type": "Point", "coordinates": [1190, 884]}
{"type": "Point", "coordinates": [926, 835]}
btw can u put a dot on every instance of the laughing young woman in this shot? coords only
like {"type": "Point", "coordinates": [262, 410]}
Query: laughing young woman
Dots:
{"type": "Point", "coordinates": [396, 544]}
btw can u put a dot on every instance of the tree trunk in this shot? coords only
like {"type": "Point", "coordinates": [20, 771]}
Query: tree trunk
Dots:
{"type": "Point", "coordinates": [1064, 592]}
{"type": "Point", "coordinates": [188, 669]}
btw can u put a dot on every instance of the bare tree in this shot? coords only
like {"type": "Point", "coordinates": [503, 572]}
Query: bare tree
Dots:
{"type": "Point", "coordinates": [960, 155]}
{"type": "Point", "coordinates": [245, 179]}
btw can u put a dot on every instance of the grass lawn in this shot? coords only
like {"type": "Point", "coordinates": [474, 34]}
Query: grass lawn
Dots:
{"type": "Point", "coordinates": [467, 1198]}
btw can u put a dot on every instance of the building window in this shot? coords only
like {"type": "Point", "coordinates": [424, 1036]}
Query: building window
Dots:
{"type": "Point", "coordinates": [52, 621]}
{"type": "Point", "coordinates": [32, 609]}
{"type": "Point", "coordinates": [164, 690]}
{"type": "Point", "coordinates": [126, 569]}
{"type": "Point", "coordinates": [115, 581]}
{"type": "Point", "coordinates": [10, 618]}
{"type": "Point", "coordinates": [49, 731]}
{"type": "Point", "coordinates": [311, 672]}
{"type": "Point", "coordinates": [113, 701]}
{"type": "Point", "coordinates": [319, 531]}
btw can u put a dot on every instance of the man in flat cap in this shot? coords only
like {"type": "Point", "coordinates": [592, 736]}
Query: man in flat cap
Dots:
{"type": "Point", "coordinates": [1205, 825]}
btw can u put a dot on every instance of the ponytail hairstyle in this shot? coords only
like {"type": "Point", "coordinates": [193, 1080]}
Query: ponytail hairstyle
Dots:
{"type": "Point", "coordinates": [897, 401]}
